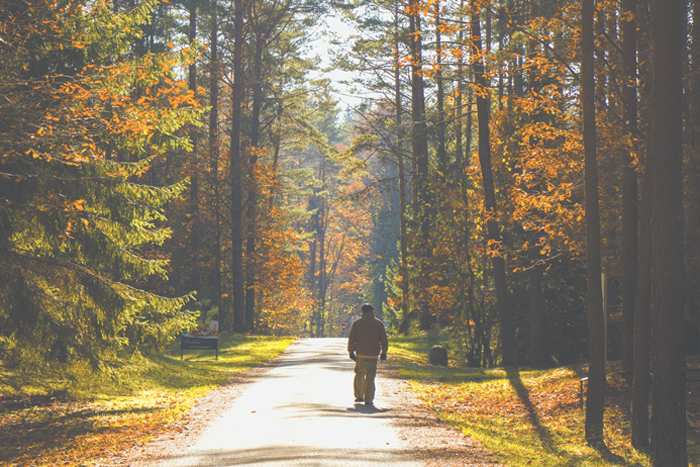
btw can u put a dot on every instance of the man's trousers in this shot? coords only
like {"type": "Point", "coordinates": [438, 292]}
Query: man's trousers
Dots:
{"type": "Point", "coordinates": [365, 371]}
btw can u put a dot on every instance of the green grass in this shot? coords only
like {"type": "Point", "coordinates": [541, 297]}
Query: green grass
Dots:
{"type": "Point", "coordinates": [527, 417]}
{"type": "Point", "coordinates": [72, 416]}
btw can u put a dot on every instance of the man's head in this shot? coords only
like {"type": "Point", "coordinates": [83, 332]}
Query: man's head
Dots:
{"type": "Point", "coordinates": [367, 308]}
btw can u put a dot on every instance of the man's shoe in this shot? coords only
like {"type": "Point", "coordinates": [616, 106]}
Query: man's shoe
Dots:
{"type": "Point", "coordinates": [359, 399]}
{"type": "Point", "coordinates": [369, 404]}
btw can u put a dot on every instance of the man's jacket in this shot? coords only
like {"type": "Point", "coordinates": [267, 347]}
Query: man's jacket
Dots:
{"type": "Point", "coordinates": [368, 337]}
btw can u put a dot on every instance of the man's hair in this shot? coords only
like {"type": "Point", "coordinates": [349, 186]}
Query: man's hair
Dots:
{"type": "Point", "coordinates": [366, 308]}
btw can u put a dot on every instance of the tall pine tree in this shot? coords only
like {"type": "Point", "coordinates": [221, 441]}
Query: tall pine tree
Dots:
{"type": "Point", "coordinates": [79, 126]}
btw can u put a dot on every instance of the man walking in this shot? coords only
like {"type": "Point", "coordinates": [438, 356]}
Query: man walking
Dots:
{"type": "Point", "coordinates": [367, 340]}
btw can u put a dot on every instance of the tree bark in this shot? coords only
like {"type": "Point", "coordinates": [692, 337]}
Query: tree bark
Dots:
{"type": "Point", "coordinates": [692, 190]}
{"type": "Point", "coordinates": [695, 75]}
{"type": "Point", "coordinates": [463, 161]}
{"type": "Point", "coordinates": [537, 351]}
{"type": "Point", "coordinates": [214, 156]}
{"type": "Point", "coordinates": [469, 128]}
{"type": "Point", "coordinates": [440, 127]}
{"type": "Point", "coordinates": [321, 232]}
{"type": "Point", "coordinates": [194, 168]}
{"type": "Point", "coordinates": [628, 257]}
{"type": "Point", "coordinates": [252, 202]}
{"type": "Point", "coordinates": [276, 138]}
{"type": "Point", "coordinates": [668, 417]}
{"type": "Point", "coordinates": [537, 337]}
{"type": "Point", "coordinates": [641, 381]}
{"type": "Point", "coordinates": [642, 330]}
{"type": "Point", "coordinates": [403, 240]}
{"type": "Point", "coordinates": [419, 146]}
{"type": "Point", "coordinates": [239, 324]}
{"type": "Point", "coordinates": [600, 52]}
{"type": "Point", "coordinates": [507, 328]}
{"type": "Point", "coordinates": [313, 227]}
{"type": "Point", "coordinates": [459, 100]}
{"type": "Point", "coordinates": [596, 366]}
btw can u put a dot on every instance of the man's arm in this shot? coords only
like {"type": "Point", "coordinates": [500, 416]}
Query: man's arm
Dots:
{"type": "Point", "coordinates": [352, 341]}
{"type": "Point", "coordinates": [383, 339]}
{"type": "Point", "coordinates": [352, 338]}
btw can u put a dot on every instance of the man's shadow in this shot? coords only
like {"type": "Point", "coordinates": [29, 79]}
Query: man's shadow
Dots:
{"type": "Point", "coordinates": [362, 408]}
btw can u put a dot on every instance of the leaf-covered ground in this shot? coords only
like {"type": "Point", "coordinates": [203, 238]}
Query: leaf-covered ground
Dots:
{"type": "Point", "coordinates": [73, 417]}
{"type": "Point", "coordinates": [533, 417]}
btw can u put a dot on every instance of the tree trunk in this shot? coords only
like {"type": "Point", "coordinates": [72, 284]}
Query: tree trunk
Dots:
{"type": "Point", "coordinates": [251, 213]}
{"type": "Point", "coordinates": [629, 184]}
{"type": "Point", "coordinates": [214, 156]}
{"type": "Point", "coordinates": [695, 75]}
{"type": "Point", "coordinates": [476, 312]}
{"type": "Point", "coordinates": [596, 367]}
{"type": "Point", "coordinates": [507, 328]}
{"type": "Point", "coordinates": [194, 169]}
{"type": "Point", "coordinates": [692, 227]}
{"type": "Point", "coordinates": [321, 232]}
{"type": "Point", "coordinates": [440, 127]}
{"type": "Point", "coordinates": [469, 128]}
{"type": "Point", "coordinates": [601, 72]}
{"type": "Point", "coordinates": [419, 146]}
{"type": "Point", "coordinates": [403, 240]}
{"type": "Point", "coordinates": [642, 329]}
{"type": "Point", "coordinates": [537, 351]}
{"type": "Point", "coordinates": [668, 417]}
{"type": "Point", "coordinates": [459, 102]}
{"type": "Point", "coordinates": [463, 161]}
{"type": "Point", "coordinates": [642, 305]}
{"type": "Point", "coordinates": [239, 324]}
{"type": "Point", "coordinates": [277, 143]}
{"type": "Point", "coordinates": [537, 337]}
{"type": "Point", "coordinates": [314, 224]}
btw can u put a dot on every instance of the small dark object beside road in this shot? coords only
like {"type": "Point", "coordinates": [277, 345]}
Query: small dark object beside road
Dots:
{"type": "Point", "coordinates": [438, 355]}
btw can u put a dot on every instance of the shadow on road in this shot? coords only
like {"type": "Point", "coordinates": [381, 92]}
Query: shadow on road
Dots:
{"type": "Point", "coordinates": [331, 410]}
{"type": "Point", "coordinates": [328, 358]}
{"type": "Point", "coordinates": [327, 362]}
{"type": "Point", "coordinates": [369, 409]}
{"type": "Point", "coordinates": [283, 455]}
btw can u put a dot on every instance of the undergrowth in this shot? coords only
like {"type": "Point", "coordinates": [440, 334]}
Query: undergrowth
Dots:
{"type": "Point", "coordinates": [71, 416]}
{"type": "Point", "coordinates": [530, 417]}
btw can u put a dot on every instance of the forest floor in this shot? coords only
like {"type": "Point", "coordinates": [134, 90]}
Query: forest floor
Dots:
{"type": "Point", "coordinates": [443, 416]}
{"type": "Point", "coordinates": [74, 417]}
{"type": "Point", "coordinates": [533, 417]}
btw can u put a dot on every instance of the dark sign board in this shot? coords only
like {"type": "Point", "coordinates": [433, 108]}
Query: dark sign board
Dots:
{"type": "Point", "coordinates": [199, 343]}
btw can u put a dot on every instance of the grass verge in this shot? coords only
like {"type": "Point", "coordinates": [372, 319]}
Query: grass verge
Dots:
{"type": "Point", "coordinates": [73, 417]}
{"type": "Point", "coordinates": [530, 417]}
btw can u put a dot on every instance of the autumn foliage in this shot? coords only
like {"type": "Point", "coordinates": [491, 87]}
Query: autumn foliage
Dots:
{"type": "Point", "coordinates": [81, 125]}
{"type": "Point", "coordinates": [152, 165]}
